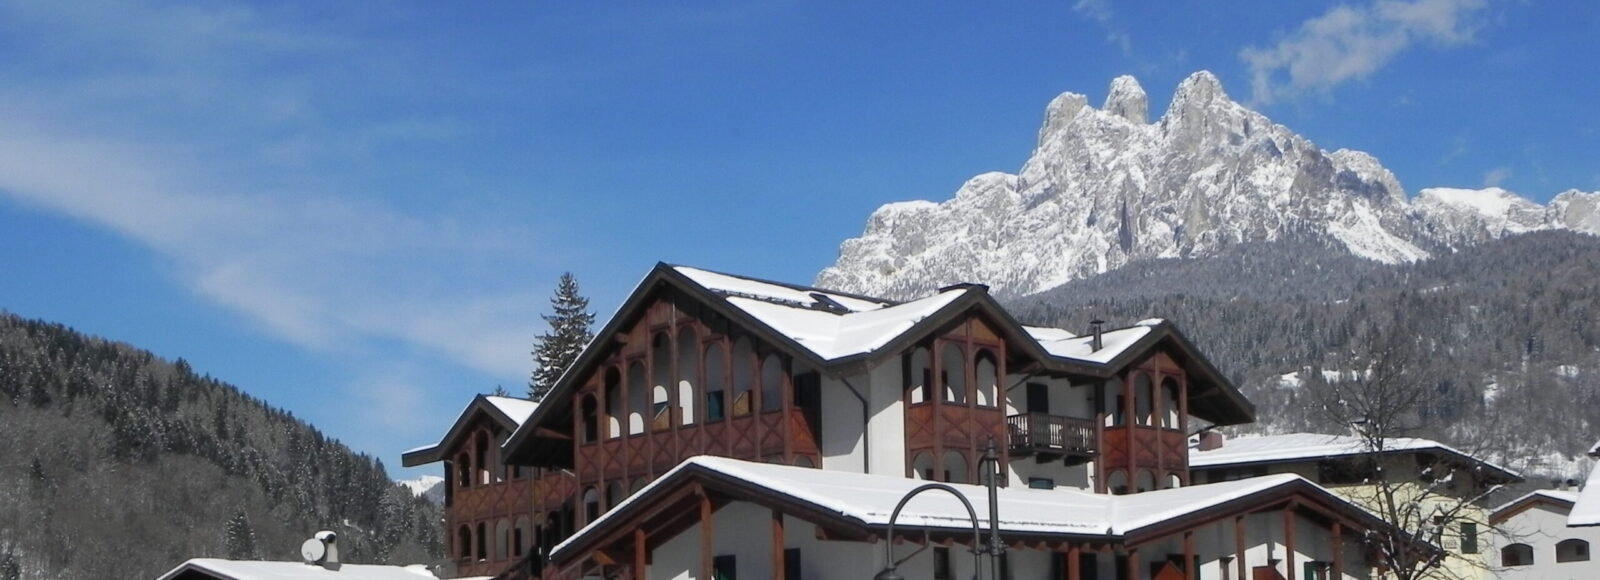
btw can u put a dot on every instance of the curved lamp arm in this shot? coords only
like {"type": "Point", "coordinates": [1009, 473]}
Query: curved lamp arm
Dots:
{"type": "Point", "coordinates": [888, 546]}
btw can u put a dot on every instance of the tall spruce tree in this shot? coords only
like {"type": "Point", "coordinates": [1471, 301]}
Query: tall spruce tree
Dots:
{"type": "Point", "coordinates": [569, 332]}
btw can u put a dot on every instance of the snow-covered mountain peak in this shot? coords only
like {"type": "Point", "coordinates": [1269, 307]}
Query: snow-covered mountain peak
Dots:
{"type": "Point", "coordinates": [1127, 99]}
{"type": "Point", "coordinates": [1103, 188]}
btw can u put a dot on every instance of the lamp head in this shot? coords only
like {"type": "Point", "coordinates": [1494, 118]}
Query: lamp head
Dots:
{"type": "Point", "coordinates": [889, 574]}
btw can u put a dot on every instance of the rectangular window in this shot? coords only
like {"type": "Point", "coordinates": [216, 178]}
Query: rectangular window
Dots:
{"type": "Point", "coordinates": [1041, 483]}
{"type": "Point", "coordinates": [1469, 537]}
{"type": "Point", "coordinates": [941, 564]}
{"type": "Point", "coordinates": [1038, 398]}
{"type": "Point", "coordinates": [791, 564]}
{"type": "Point", "coordinates": [1315, 570]}
{"type": "Point", "coordinates": [714, 406]}
{"type": "Point", "coordinates": [724, 568]}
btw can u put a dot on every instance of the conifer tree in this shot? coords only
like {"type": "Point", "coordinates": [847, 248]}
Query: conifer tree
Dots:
{"type": "Point", "coordinates": [559, 346]}
{"type": "Point", "coordinates": [241, 538]}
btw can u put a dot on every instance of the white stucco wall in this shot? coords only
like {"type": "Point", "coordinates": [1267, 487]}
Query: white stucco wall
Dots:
{"type": "Point", "coordinates": [843, 424]}
{"type": "Point", "coordinates": [1542, 527]}
{"type": "Point", "coordinates": [887, 427]}
{"type": "Point", "coordinates": [744, 530]}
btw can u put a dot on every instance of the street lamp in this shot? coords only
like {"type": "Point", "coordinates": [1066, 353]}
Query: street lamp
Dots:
{"type": "Point", "coordinates": [990, 464]}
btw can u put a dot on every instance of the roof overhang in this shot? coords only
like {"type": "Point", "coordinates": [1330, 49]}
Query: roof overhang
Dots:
{"type": "Point", "coordinates": [480, 405]}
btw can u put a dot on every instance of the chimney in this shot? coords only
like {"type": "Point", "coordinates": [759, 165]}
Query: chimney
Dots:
{"type": "Point", "coordinates": [1095, 343]}
{"type": "Point", "coordinates": [1210, 440]}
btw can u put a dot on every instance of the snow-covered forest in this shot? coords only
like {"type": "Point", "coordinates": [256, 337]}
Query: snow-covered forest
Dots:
{"type": "Point", "coordinates": [118, 464]}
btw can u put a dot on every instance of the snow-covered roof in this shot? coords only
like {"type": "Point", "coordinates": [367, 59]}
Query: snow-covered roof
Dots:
{"type": "Point", "coordinates": [1586, 510]}
{"type": "Point", "coordinates": [1594, 450]}
{"type": "Point", "coordinates": [871, 499]}
{"type": "Point", "coordinates": [517, 411]}
{"type": "Point", "coordinates": [1255, 449]}
{"type": "Point", "coordinates": [258, 570]}
{"type": "Point", "coordinates": [833, 325]}
{"type": "Point", "coordinates": [1555, 495]}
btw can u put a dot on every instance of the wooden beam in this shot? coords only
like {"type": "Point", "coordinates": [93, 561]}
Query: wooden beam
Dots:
{"type": "Point", "coordinates": [1189, 573]}
{"type": "Point", "coordinates": [1338, 551]}
{"type": "Point", "coordinates": [777, 545]}
{"type": "Point", "coordinates": [1288, 540]}
{"type": "Point", "coordinates": [1074, 567]}
{"type": "Point", "coordinates": [1131, 571]}
{"type": "Point", "coordinates": [640, 555]}
{"type": "Point", "coordinates": [705, 535]}
{"type": "Point", "coordinates": [1238, 546]}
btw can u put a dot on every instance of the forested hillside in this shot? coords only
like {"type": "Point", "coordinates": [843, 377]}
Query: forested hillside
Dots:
{"type": "Point", "coordinates": [1510, 329]}
{"type": "Point", "coordinates": [118, 464]}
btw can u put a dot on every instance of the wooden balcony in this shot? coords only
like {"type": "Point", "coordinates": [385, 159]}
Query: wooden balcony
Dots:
{"type": "Point", "coordinates": [1048, 437]}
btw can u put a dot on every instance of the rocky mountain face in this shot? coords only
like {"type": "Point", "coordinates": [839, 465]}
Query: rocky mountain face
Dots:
{"type": "Point", "coordinates": [1105, 187]}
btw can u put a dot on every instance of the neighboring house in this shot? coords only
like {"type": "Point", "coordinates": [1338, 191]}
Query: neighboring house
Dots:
{"type": "Point", "coordinates": [488, 503]}
{"type": "Point", "coordinates": [726, 427]}
{"type": "Point", "coordinates": [1344, 465]}
{"type": "Point", "coordinates": [1586, 509]}
{"type": "Point", "coordinates": [218, 569]}
{"type": "Point", "coordinates": [1533, 541]}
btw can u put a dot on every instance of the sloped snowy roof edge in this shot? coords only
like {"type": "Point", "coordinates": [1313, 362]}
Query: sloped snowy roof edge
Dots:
{"type": "Point", "coordinates": [510, 412]}
{"type": "Point", "coordinates": [263, 570]}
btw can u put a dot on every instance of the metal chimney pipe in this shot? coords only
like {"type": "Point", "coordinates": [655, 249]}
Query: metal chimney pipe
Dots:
{"type": "Point", "coordinates": [1095, 331]}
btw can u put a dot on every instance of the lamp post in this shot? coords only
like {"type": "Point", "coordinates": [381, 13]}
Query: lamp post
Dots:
{"type": "Point", "coordinates": [990, 464]}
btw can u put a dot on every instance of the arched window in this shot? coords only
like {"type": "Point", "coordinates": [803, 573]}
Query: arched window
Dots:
{"type": "Point", "coordinates": [480, 457]}
{"type": "Point", "coordinates": [919, 375]}
{"type": "Point", "coordinates": [955, 467]}
{"type": "Point", "coordinates": [638, 398]}
{"type": "Point", "coordinates": [660, 408]}
{"type": "Point", "coordinates": [803, 461]}
{"type": "Point", "coordinates": [1147, 481]}
{"type": "Point", "coordinates": [743, 377]}
{"type": "Point", "coordinates": [502, 540]}
{"type": "Point", "coordinates": [638, 484]}
{"type": "Point", "coordinates": [716, 382]}
{"type": "Point", "coordinates": [1169, 403]}
{"type": "Point", "coordinates": [1117, 482]}
{"type": "Point", "coordinates": [1516, 555]}
{"type": "Point", "coordinates": [464, 470]}
{"type": "Point", "coordinates": [688, 374]}
{"type": "Point", "coordinates": [615, 406]}
{"type": "Point", "coordinates": [988, 379]}
{"type": "Point", "coordinates": [771, 383]}
{"type": "Point", "coordinates": [1142, 393]}
{"type": "Point", "coordinates": [482, 541]}
{"type": "Point", "coordinates": [591, 505]}
{"type": "Point", "coordinates": [464, 542]}
{"type": "Point", "coordinates": [1173, 481]}
{"type": "Point", "coordinates": [1113, 406]}
{"type": "Point", "coordinates": [660, 381]}
{"type": "Point", "coordinates": [1572, 550]}
{"type": "Point", "coordinates": [615, 493]}
{"type": "Point", "coordinates": [590, 410]}
{"type": "Point", "coordinates": [520, 537]}
{"type": "Point", "coordinates": [922, 466]}
{"type": "Point", "coordinates": [953, 371]}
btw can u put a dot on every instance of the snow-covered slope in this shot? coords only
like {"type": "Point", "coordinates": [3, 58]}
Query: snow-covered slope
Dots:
{"type": "Point", "coordinates": [428, 487]}
{"type": "Point", "coordinates": [1105, 187]}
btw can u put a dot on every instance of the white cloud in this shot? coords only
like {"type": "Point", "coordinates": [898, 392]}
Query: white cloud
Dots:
{"type": "Point", "coordinates": [169, 127]}
{"type": "Point", "coordinates": [1099, 12]}
{"type": "Point", "coordinates": [1495, 177]}
{"type": "Point", "coordinates": [1352, 42]}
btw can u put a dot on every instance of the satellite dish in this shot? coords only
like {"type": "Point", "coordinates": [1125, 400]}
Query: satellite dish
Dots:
{"type": "Point", "coordinates": [313, 550]}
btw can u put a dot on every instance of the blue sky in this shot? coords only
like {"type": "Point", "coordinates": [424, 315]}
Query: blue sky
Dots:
{"type": "Point", "coordinates": [357, 211]}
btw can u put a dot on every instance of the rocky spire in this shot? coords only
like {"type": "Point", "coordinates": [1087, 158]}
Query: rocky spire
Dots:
{"type": "Point", "coordinates": [1127, 100]}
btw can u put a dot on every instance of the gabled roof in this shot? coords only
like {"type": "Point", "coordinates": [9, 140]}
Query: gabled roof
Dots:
{"type": "Point", "coordinates": [1297, 447]}
{"type": "Point", "coordinates": [867, 502]}
{"type": "Point", "coordinates": [1559, 498]}
{"type": "Point", "coordinates": [839, 332]}
{"type": "Point", "coordinates": [509, 412]}
{"type": "Point", "coordinates": [1586, 510]}
{"type": "Point", "coordinates": [258, 570]}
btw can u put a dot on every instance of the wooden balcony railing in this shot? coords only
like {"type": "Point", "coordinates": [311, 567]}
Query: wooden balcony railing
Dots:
{"type": "Point", "coordinates": [1052, 436]}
